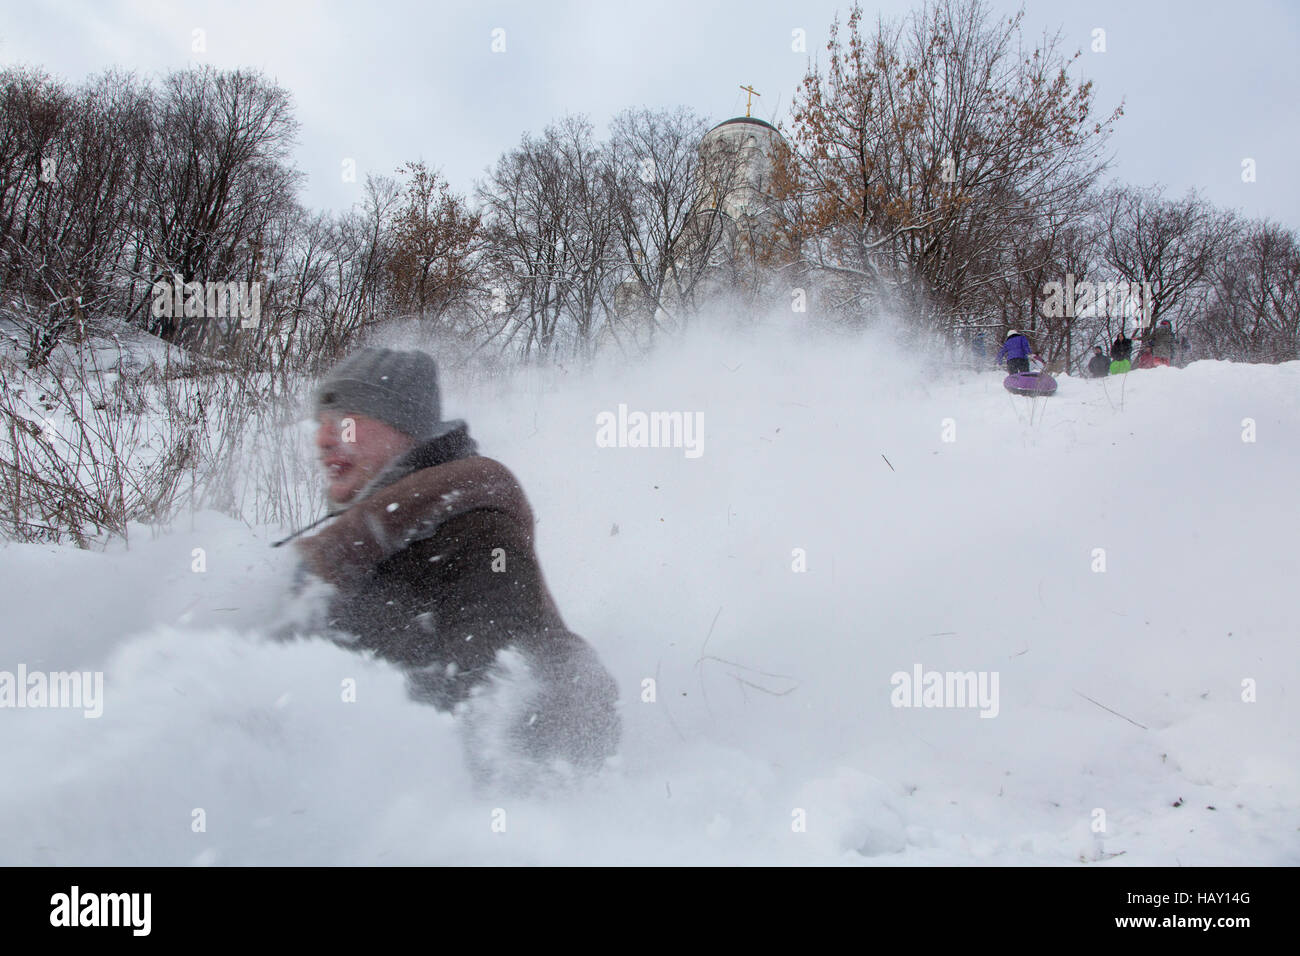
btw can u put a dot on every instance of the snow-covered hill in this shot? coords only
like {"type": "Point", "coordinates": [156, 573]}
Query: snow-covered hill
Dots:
{"type": "Point", "coordinates": [771, 736]}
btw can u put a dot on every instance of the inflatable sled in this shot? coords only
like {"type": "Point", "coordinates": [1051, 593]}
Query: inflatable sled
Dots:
{"type": "Point", "coordinates": [1120, 366]}
{"type": "Point", "coordinates": [1030, 383]}
{"type": "Point", "coordinates": [1147, 360]}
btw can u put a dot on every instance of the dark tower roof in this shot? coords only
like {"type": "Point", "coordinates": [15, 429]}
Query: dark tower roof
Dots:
{"type": "Point", "coordinates": [747, 119]}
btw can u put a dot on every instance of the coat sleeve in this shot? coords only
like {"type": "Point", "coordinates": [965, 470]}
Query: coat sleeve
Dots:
{"type": "Point", "coordinates": [406, 512]}
{"type": "Point", "coordinates": [491, 598]}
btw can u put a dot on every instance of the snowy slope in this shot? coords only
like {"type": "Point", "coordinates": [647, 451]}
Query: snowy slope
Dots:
{"type": "Point", "coordinates": [772, 687]}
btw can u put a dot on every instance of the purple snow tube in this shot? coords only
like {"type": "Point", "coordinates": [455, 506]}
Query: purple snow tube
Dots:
{"type": "Point", "coordinates": [1030, 383]}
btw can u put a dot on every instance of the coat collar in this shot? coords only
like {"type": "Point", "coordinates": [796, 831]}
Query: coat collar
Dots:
{"type": "Point", "coordinates": [449, 443]}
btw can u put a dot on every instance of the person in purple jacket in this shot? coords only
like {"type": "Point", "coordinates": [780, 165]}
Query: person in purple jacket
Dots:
{"type": "Point", "coordinates": [1016, 351]}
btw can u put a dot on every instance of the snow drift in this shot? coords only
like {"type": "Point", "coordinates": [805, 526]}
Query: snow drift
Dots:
{"type": "Point", "coordinates": [1117, 555]}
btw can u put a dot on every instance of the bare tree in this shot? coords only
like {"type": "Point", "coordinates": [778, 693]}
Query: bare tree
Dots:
{"type": "Point", "coordinates": [546, 207]}
{"type": "Point", "coordinates": [591, 245]}
{"type": "Point", "coordinates": [1060, 246]}
{"type": "Point", "coordinates": [922, 151]}
{"type": "Point", "coordinates": [65, 204]}
{"type": "Point", "coordinates": [662, 193]}
{"type": "Point", "coordinates": [1253, 306]}
{"type": "Point", "coordinates": [215, 180]}
{"type": "Point", "coordinates": [1168, 244]}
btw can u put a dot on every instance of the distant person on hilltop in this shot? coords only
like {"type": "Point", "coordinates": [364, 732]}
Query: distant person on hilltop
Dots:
{"type": "Point", "coordinates": [1016, 350]}
{"type": "Point", "coordinates": [1121, 350]}
{"type": "Point", "coordinates": [1161, 342]}
{"type": "Point", "coordinates": [1099, 364]}
{"type": "Point", "coordinates": [1157, 347]}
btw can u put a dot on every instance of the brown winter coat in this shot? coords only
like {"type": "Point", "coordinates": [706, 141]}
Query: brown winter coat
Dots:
{"type": "Point", "coordinates": [436, 571]}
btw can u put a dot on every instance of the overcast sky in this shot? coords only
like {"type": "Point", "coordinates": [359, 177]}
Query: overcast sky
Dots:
{"type": "Point", "coordinates": [1204, 84]}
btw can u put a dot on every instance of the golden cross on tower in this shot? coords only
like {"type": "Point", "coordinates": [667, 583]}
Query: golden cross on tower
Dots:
{"type": "Point", "coordinates": [751, 93]}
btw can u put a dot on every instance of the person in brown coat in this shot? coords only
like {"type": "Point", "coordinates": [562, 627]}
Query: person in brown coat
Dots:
{"type": "Point", "coordinates": [430, 553]}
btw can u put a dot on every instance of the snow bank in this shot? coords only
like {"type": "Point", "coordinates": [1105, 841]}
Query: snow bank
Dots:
{"type": "Point", "coordinates": [943, 524]}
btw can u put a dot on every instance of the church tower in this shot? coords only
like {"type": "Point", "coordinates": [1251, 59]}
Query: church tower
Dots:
{"type": "Point", "coordinates": [736, 163]}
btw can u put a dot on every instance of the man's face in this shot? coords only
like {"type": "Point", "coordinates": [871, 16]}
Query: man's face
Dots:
{"type": "Point", "coordinates": [353, 449]}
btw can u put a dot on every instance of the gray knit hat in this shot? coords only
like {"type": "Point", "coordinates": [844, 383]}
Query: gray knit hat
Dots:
{"type": "Point", "coordinates": [397, 388]}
